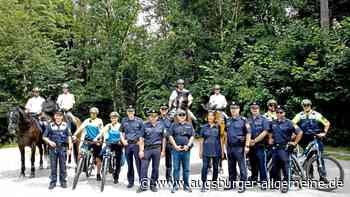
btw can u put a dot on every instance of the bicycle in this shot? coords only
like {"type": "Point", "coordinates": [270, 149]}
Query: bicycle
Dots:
{"type": "Point", "coordinates": [109, 164]}
{"type": "Point", "coordinates": [86, 161]}
{"type": "Point", "coordinates": [301, 167]}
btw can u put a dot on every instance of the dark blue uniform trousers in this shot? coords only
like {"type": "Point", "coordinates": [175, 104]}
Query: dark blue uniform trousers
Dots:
{"type": "Point", "coordinates": [154, 155]}
{"type": "Point", "coordinates": [280, 160]}
{"type": "Point", "coordinates": [205, 167]}
{"type": "Point", "coordinates": [58, 156]}
{"type": "Point", "coordinates": [257, 158]}
{"type": "Point", "coordinates": [132, 152]}
{"type": "Point", "coordinates": [168, 162]}
{"type": "Point", "coordinates": [236, 154]}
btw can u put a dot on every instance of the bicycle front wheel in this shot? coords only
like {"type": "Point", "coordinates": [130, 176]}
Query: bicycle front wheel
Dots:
{"type": "Point", "coordinates": [80, 165]}
{"type": "Point", "coordinates": [105, 168]}
{"type": "Point", "coordinates": [334, 172]}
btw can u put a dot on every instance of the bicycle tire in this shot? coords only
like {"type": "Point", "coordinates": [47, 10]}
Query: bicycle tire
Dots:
{"type": "Point", "coordinates": [89, 165]}
{"type": "Point", "coordinates": [79, 169]}
{"type": "Point", "coordinates": [336, 162]}
{"type": "Point", "coordinates": [104, 172]}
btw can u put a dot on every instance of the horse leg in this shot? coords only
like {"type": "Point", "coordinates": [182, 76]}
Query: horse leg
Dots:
{"type": "Point", "coordinates": [41, 152]}
{"type": "Point", "coordinates": [32, 169]}
{"type": "Point", "coordinates": [23, 168]}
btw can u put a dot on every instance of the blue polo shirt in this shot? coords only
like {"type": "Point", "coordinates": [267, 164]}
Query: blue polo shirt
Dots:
{"type": "Point", "coordinates": [211, 140]}
{"type": "Point", "coordinates": [165, 121]}
{"type": "Point", "coordinates": [181, 132]}
{"type": "Point", "coordinates": [132, 128]}
{"type": "Point", "coordinates": [258, 125]}
{"type": "Point", "coordinates": [153, 134]}
{"type": "Point", "coordinates": [282, 131]}
{"type": "Point", "coordinates": [236, 130]}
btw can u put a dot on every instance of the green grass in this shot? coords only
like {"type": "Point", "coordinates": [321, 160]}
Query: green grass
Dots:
{"type": "Point", "coordinates": [8, 145]}
{"type": "Point", "coordinates": [338, 149]}
{"type": "Point", "coordinates": [332, 151]}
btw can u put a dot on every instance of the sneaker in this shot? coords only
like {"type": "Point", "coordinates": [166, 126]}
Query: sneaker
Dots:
{"type": "Point", "coordinates": [64, 185]}
{"type": "Point", "coordinates": [130, 185]}
{"type": "Point", "coordinates": [154, 189]}
{"type": "Point", "coordinates": [284, 189]}
{"type": "Point", "coordinates": [174, 189]}
{"type": "Point", "coordinates": [98, 177]}
{"type": "Point", "coordinates": [203, 189]}
{"type": "Point", "coordinates": [115, 181]}
{"type": "Point", "coordinates": [241, 190]}
{"type": "Point", "coordinates": [230, 187]}
{"type": "Point", "coordinates": [188, 189]}
{"type": "Point", "coordinates": [52, 185]}
{"type": "Point", "coordinates": [324, 180]}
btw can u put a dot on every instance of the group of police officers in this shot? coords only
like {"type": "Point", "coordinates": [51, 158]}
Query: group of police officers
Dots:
{"type": "Point", "coordinates": [173, 137]}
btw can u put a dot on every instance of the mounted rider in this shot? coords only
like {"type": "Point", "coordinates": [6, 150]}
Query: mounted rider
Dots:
{"type": "Point", "coordinates": [66, 101]}
{"type": "Point", "coordinates": [180, 98]}
{"type": "Point", "coordinates": [34, 106]}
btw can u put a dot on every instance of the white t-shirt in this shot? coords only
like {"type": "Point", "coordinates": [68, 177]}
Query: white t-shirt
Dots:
{"type": "Point", "coordinates": [66, 101]}
{"type": "Point", "coordinates": [174, 95]}
{"type": "Point", "coordinates": [219, 101]}
{"type": "Point", "coordinates": [34, 104]}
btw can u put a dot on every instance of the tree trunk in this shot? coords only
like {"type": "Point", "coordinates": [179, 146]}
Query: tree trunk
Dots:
{"type": "Point", "coordinates": [324, 15]}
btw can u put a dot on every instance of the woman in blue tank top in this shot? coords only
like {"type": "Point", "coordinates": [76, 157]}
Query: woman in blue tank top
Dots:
{"type": "Point", "coordinates": [90, 129]}
{"type": "Point", "coordinates": [113, 140]}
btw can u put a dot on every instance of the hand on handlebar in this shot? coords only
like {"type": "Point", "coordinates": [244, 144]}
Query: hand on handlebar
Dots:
{"type": "Point", "coordinates": [320, 135]}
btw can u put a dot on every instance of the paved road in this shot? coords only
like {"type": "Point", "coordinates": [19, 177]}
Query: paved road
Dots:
{"type": "Point", "coordinates": [10, 182]}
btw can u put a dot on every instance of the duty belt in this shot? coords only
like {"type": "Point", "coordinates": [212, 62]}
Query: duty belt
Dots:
{"type": "Point", "coordinates": [152, 146]}
{"type": "Point", "coordinates": [132, 141]}
{"type": "Point", "coordinates": [279, 146]}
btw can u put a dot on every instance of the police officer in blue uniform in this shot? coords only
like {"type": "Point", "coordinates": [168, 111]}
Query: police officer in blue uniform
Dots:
{"type": "Point", "coordinates": [313, 124]}
{"type": "Point", "coordinates": [131, 128]}
{"type": "Point", "coordinates": [152, 147]}
{"type": "Point", "coordinates": [238, 143]}
{"type": "Point", "coordinates": [210, 149]}
{"type": "Point", "coordinates": [257, 153]}
{"type": "Point", "coordinates": [281, 133]}
{"type": "Point", "coordinates": [181, 136]}
{"type": "Point", "coordinates": [58, 136]}
{"type": "Point", "coordinates": [165, 120]}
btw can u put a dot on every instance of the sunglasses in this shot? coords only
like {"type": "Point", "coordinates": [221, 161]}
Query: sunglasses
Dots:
{"type": "Point", "coordinates": [182, 115]}
{"type": "Point", "coordinates": [163, 108]}
{"type": "Point", "coordinates": [280, 112]}
{"type": "Point", "coordinates": [272, 105]}
{"type": "Point", "coordinates": [307, 105]}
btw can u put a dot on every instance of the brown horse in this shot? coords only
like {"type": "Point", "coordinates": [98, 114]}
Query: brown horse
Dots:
{"type": "Point", "coordinates": [28, 134]}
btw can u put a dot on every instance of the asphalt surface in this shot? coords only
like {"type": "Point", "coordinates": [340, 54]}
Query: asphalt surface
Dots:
{"type": "Point", "coordinates": [12, 184]}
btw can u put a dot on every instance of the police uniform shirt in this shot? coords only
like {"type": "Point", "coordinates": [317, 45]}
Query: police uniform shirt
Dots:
{"type": "Point", "coordinates": [236, 130]}
{"type": "Point", "coordinates": [270, 116]}
{"type": "Point", "coordinates": [282, 131]}
{"type": "Point", "coordinates": [153, 134]}
{"type": "Point", "coordinates": [211, 140]}
{"type": "Point", "coordinates": [165, 121]}
{"type": "Point", "coordinates": [181, 132]}
{"type": "Point", "coordinates": [310, 122]}
{"type": "Point", "coordinates": [132, 128]}
{"type": "Point", "coordinates": [58, 133]}
{"type": "Point", "coordinates": [258, 125]}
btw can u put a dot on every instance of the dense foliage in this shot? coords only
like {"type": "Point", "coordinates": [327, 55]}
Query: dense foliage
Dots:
{"type": "Point", "coordinates": [256, 50]}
